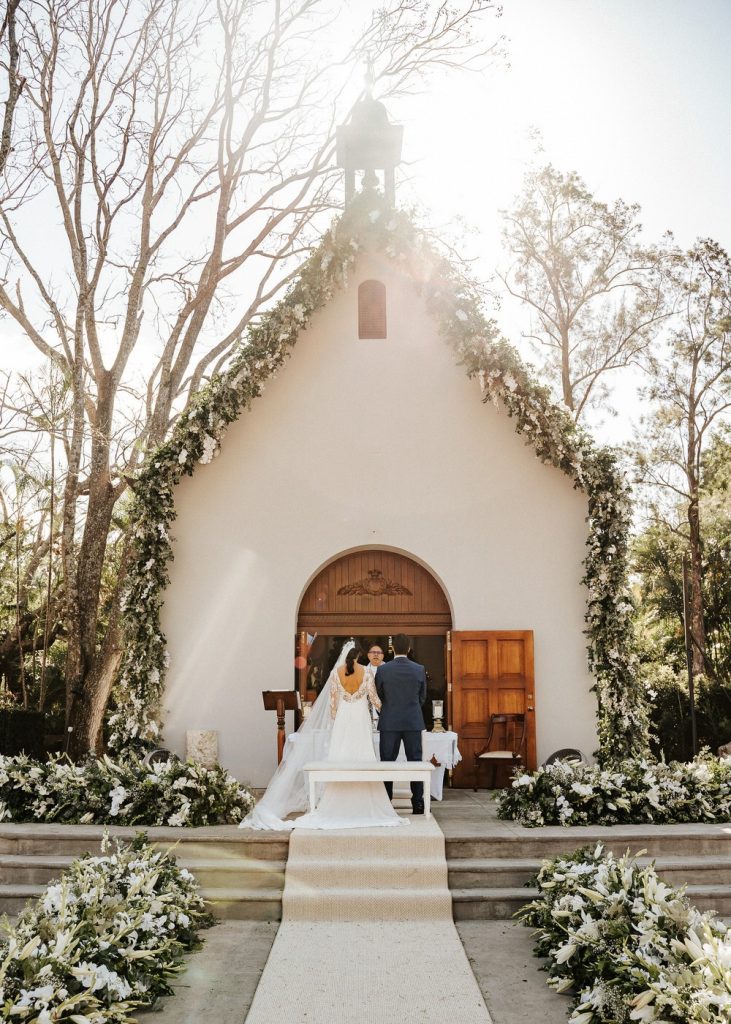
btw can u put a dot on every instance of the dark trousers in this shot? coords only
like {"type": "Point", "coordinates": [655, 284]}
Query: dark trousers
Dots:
{"type": "Point", "coordinates": [390, 741]}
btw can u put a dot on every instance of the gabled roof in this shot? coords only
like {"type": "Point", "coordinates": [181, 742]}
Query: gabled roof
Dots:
{"type": "Point", "coordinates": [454, 302]}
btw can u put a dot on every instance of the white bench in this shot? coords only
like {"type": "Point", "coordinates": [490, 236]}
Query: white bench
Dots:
{"type": "Point", "coordinates": [370, 771]}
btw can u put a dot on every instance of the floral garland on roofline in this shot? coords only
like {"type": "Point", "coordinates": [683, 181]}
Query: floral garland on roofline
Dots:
{"type": "Point", "coordinates": [454, 301]}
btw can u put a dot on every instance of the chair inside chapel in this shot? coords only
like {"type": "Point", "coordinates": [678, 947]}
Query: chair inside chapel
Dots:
{"type": "Point", "coordinates": [504, 748]}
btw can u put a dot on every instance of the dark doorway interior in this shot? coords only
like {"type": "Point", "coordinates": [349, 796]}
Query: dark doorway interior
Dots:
{"type": "Point", "coordinates": [429, 651]}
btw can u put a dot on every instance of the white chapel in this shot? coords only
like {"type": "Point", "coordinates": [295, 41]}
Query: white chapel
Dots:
{"type": "Point", "coordinates": [371, 490]}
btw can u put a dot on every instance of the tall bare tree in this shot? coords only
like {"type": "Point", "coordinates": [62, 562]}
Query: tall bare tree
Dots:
{"type": "Point", "coordinates": [176, 160]}
{"type": "Point", "coordinates": [13, 80]}
{"type": "Point", "coordinates": [690, 392]}
{"type": "Point", "coordinates": [593, 289]}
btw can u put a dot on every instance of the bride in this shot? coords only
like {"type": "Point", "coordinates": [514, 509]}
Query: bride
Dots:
{"type": "Point", "coordinates": [337, 729]}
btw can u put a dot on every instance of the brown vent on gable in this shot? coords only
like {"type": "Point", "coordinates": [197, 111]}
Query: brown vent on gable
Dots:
{"type": "Point", "coordinates": [372, 309]}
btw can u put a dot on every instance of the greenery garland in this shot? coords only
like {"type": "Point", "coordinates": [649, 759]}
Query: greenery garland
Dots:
{"type": "Point", "coordinates": [454, 302]}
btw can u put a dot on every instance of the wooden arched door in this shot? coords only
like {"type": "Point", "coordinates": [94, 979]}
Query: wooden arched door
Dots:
{"type": "Point", "coordinates": [374, 591]}
{"type": "Point", "coordinates": [373, 594]}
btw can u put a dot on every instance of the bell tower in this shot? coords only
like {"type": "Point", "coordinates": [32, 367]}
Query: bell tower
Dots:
{"type": "Point", "coordinates": [369, 143]}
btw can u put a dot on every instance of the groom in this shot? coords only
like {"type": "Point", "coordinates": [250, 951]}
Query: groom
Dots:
{"type": "Point", "coordinates": [401, 685]}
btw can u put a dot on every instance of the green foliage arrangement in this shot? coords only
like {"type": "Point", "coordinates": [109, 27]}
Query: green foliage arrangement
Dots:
{"type": "Point", "coordinates": [630, 792]}
{"type": "Point", "coordinates": [101, 791]}
{"type": "Point", "coordinates": [455, 303]}
{"type": "Point", "coordinates": [104, 939]}
{"type": "Point", "coordinates": [626, 945]}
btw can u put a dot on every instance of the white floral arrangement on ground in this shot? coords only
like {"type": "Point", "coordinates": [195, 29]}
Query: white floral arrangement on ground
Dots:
{"type": "Point", "coordinates": [626, 945]}
{"type": "Point", "coordinates": [634, 791]}
{"type": "Point", "coordinates": [455, 302]}
{"type": "Point", "coordinates": [105, 938]}
{"type": "Point", "coordinates": [124, 792]}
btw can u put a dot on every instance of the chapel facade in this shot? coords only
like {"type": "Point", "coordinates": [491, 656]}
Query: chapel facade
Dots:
{"type": "Point", "coordinates": [370, 491]}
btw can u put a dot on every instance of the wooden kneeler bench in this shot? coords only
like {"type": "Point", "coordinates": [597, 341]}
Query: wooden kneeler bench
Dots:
{"type": "Point", "coordinates": [370, 771]}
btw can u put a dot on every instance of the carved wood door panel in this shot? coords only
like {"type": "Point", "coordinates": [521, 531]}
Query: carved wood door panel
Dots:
{"type": "Point", "coordinates": [374, 591]}
{"type": "Point", "coordinates": [491, 673]}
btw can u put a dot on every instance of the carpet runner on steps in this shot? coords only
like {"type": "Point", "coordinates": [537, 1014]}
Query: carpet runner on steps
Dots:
{"type": "Point", "coordinates": [367, 935]}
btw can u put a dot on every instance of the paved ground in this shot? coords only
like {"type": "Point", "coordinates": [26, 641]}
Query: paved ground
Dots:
{"type": "Point", "coordinates": [508, 974]}
{"type": "Point", "coordinates": [219, 982]}
{"type": "Point", "coordinates": [220, 979]}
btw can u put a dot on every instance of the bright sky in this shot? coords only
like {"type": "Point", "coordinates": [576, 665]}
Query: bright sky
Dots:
{"type": "Point", "coordinates": [632, 94]}
{"type": "Point", "coordinates": [635, 95]}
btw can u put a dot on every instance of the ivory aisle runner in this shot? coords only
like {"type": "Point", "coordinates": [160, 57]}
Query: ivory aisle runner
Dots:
{"type": "Point", "coordinates": [367, 935]}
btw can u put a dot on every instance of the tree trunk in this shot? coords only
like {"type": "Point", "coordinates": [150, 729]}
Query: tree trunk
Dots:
{"type": "Point", "coordinates": [566, 385]}
{"type": "Point", "coordinates": [697, 623]}
{"type": "Point", "coordinates": [87, 735]}
{"type": "Point", "coordinates": [90, 687]}
{"type": "Point", "coordinates": [87, 718]}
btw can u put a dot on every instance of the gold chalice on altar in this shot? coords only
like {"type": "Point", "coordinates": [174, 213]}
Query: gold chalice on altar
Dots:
{"type": "Point", "coordinates": [437, 708]}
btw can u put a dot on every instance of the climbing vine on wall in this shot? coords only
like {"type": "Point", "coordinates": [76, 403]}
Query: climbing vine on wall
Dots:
{"type": "Point", "coordinates": [454, 302]}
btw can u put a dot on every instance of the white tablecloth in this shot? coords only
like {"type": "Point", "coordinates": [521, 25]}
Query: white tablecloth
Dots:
{"type": "Point", "coordinates": [442, 746]}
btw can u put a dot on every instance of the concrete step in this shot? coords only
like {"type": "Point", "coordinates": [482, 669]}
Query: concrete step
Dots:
{"type": "Point", "coordinates": [25, 869]}
{"type": "Point", "coordinates": [221, 872]}
{"type": "Point", "coordinates": [534, 844]}
{"type": "Point", "coordinates": [244, 904]}
{"type": "Point", "coordinates": [501, 872]}
{"type": "Point", "coordinates": [13, 897]}
{"type": "Point", "coordinates": [249, 874]}
{"type": "Point", "coordinates": [241, 904]}
{"type": "Point", "coordinates": [202, 843]}
{"type": "Point", "coordinates": [496, 904]}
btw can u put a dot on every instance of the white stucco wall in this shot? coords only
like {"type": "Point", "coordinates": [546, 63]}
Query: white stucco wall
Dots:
{"type": "Point", "coordinates": [368, 443]}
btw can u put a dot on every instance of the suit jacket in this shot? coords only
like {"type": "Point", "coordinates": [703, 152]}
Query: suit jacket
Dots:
{"type": "Point", "coordinates": [401, 685]}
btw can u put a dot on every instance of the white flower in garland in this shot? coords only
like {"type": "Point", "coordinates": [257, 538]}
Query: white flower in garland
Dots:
{"type": "Point", "coordinates": [210, 446]}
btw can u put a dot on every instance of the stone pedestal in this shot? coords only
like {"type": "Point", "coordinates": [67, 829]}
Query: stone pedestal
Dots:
{"type": "Point", "coordinates": [201, 745]}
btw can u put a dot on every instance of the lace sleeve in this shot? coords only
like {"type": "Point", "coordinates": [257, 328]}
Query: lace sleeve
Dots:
{"type": "Point", "coordinates": [333, 696]}
{"type": "Point", "coordinates": [372, 693]}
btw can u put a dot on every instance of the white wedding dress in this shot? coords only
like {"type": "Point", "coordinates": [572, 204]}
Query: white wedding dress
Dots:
{"type": "Point", "coordinates": [352, 804]}
{"type": "Point", "coordinates": [336, 730]}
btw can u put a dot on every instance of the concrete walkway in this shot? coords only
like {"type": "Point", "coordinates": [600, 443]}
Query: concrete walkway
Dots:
{"type": "Point", "coordinates": [220, 980]}
{"type": "Point", "coordinates": [512, 985]}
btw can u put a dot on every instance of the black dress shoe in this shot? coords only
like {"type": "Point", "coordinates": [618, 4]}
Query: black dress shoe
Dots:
{"type": "Point", "coordinates": [418, 809]}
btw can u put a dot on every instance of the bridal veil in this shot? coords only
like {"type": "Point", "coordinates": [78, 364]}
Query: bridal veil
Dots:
{"type": "Point", "coordinates": [287, 789]}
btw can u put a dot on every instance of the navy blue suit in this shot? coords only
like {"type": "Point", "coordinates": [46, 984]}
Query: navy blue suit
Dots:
{"type": "Point", "coordinates": [401, 686]}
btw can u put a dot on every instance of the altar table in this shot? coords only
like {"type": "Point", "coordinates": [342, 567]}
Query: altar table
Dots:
{"type": "Point", "coordinates": [441, 746]}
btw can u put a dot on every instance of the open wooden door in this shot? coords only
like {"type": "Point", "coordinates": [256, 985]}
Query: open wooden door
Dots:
{"type": "Point", "coordinates": [491, 673]}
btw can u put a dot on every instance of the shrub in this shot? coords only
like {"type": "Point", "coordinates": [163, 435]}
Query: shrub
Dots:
{"type": "Point", "coordinates": [626, 945]}
{"type": "Point", "coordinates": [105, 938]}
{"type": "Point", "coordinates": [124, 792]}
{"type": "Point", "coordinates": [635, 791]}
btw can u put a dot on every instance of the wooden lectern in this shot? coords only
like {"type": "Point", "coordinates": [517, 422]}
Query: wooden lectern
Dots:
{"type": "Point", "coordinates": [280, 701]}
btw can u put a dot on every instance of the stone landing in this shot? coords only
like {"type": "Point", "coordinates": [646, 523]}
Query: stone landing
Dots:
{"type": "Point", "coordinates": [489, 862]}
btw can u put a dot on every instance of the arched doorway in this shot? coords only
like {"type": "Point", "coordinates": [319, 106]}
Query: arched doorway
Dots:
{"type": "Point", "coordinates": [374, 591]}
{"type": "Point", "coordinates": [371, 594]}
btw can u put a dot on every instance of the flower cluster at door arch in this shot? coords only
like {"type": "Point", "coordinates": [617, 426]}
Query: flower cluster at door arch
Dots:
{"type": "Point", "coordinates": [454, 302]}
